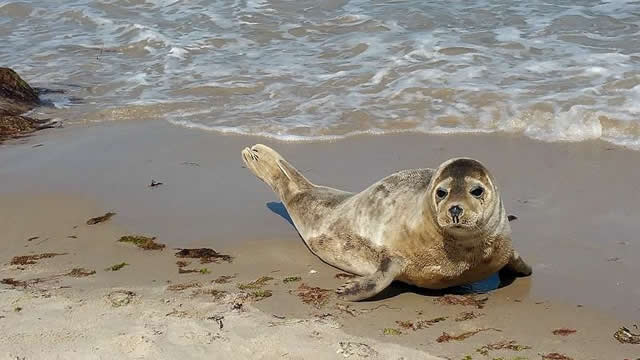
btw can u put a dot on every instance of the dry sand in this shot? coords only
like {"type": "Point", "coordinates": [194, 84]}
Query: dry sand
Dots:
{"type": "Point", "coordinates": [575, 203]}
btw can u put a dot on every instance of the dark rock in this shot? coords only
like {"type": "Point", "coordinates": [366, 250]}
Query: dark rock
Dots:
{"type": "Point", "coordinates": [16, 98]}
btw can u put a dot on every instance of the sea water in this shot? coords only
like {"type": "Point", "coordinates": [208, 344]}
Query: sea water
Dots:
{"type": "Point", "coordinates": [555, 70]}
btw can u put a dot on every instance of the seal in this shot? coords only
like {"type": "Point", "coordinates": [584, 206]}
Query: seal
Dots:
{"type": "Point", "coordinates": [433, 228]}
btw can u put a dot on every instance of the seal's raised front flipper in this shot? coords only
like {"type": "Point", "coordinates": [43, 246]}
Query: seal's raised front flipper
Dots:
{"type": "Point", "coordinates": [273, 169]}
{"type": "Point", "coordinates": [370, 285]}
{"type": "Point", "coordinates": [518, 266]}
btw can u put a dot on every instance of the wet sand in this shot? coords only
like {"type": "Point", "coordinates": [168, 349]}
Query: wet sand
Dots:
{"type": "Point", "coordinates": [575, 203]}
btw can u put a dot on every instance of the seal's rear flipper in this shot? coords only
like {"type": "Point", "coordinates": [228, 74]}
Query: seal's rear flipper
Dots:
{"type": "Point", "coordinates": [368, 286]}
{"type": "Point", "coordinates": [273, 169]}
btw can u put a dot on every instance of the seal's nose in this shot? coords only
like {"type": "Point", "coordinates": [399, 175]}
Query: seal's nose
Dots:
{"type": "Point", "coordinates": [455, 212]}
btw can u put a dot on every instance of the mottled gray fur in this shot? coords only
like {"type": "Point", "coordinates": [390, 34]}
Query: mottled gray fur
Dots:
{"type": "Point", "coordinates": [398, 228]}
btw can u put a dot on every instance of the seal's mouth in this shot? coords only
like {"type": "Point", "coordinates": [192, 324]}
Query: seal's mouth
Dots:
{"type": "Point", "coordinates": [458, 226]}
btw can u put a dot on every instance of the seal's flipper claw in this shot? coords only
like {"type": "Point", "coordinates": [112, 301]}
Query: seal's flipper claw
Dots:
{"type": "Point", "coordinates": [273, 169]}
{"type": "Point", "coordinates": [369, 286]}
{"type": "Point", "coordinates": [518, 266]}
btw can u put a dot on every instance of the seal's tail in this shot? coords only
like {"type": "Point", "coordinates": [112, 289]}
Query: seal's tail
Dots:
{"type": "Point", "coordinates": [273, 169]}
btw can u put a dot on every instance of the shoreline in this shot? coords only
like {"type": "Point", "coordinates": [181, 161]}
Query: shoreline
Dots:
{"type": "Point", "coordinates": [209, 200]}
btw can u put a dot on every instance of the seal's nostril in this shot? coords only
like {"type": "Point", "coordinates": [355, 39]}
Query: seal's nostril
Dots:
{"type": "Point", "coordinates": [455, 211]}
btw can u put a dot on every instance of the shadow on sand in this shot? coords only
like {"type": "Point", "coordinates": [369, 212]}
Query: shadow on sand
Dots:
{"type": "Point", "coordinates": [278, 208]}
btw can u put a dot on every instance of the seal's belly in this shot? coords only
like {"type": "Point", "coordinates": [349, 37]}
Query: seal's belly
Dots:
{"type": "Point", "coordinates": [451, 274]}
{"type": "Point", "coordinates": [347, 252]}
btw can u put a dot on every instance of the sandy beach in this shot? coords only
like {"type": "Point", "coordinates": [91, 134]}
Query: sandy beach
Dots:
{"type": "Point", "coordinates": [130, 229]}
{"type": "Point", "coordinates": [575, 204]}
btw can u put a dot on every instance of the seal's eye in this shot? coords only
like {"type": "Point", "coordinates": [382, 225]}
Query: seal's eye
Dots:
{"type": "Point", "coordinates": [441, 193]}
{"type": "Point", "coordinates": [477, 192]}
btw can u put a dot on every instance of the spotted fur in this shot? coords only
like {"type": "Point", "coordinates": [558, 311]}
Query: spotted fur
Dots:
{"type": "Point", "coordinates": [397, 228]}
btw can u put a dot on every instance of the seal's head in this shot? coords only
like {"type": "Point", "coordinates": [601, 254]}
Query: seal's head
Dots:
{"type": "Point", "coordinates": [463, 197]}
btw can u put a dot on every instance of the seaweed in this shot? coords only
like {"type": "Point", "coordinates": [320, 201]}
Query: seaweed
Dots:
{"type": "Point", "coordinates": [215, 293]}
{"type": "Point", "coordinates": [420, 324]}
{"type": "Point", "coordinates": [502, 345]}
{"type": "Point", "coordinates": [391, 331]}
{"type": "Point", "coordinates": [205, 255]}
{"type": "Point", "coordinates": [344, 276]}
{"type": "Point", "coordinates": [555, 356]}
{"type": "Point", "coordinates": [181, 287]}
{"type": "Point", "coordinates": [465, 300]}
{"type": "Point", "coordinates": [564, 332]}
{"type": "Point", "coordinates": [32, 259]}
{"type": "Point", "coordinates": [14, 282]}
{"type": "Point", "coordinates": [347, 309]}
{"type": "Point", "coordinates": [289, 279]}
{"type": "Point", "coordinates": [223, 279]}
{"type": "Point", "coordinates": [33, 238]}
{"type": "Point", "coordinates": [446, 337]}
{"type": "Point", "coordinates": [315, 296]}
{"type": "Point", "coordinates": [625, 336]}
{"type": "Point", "coordinates": [467, 315]}
{"type": "Point", "coordinates": [204, 271]}
{"type": "Point", "coordinates": [143, 242]}
{"type": "Point", "coordinates": [406, 324]}
{"type": "Point", "coordinates": [186, 271]}
{"type": "Point", "coordinates": [182, 263]}
{"type": "Point", "coordinates": [100, 219]}
{"type": "Point", "coordinates": [116, 267]}
{"type": "Point", "coordinates": [258, 295]}
{"type": "Point", "coordinates": [80, 272]}
{"type": "Point", "coordinates": [256, 284]}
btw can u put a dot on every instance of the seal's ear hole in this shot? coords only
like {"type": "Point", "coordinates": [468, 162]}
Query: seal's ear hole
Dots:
{"type": "Point", "coordinates": [441, 193]}
{"type": "Point", "coordinates": [477, 192]}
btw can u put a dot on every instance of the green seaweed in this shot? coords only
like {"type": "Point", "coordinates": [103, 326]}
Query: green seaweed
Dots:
{"type": "Point", "coordinates": [256, 284]}
{"type": "Point", "coordinates": [80, 272]}
{"type": "Point", "coordinates": [143, 242]}
{"type": "Point", "coordinates": [502, 345]}
{"type": "Point", "coordinates": [261, 294]}
{"type": "Point", "coordinates": [290, 279]}
{"type": "Point", "coordinates": [100, 219]}
{"type": "Point", "coordinates": [215, 293]}
{"type": "Point", "coordinates": [391, 331]}
{"type": "Point", "coordinates": [116, 267]}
